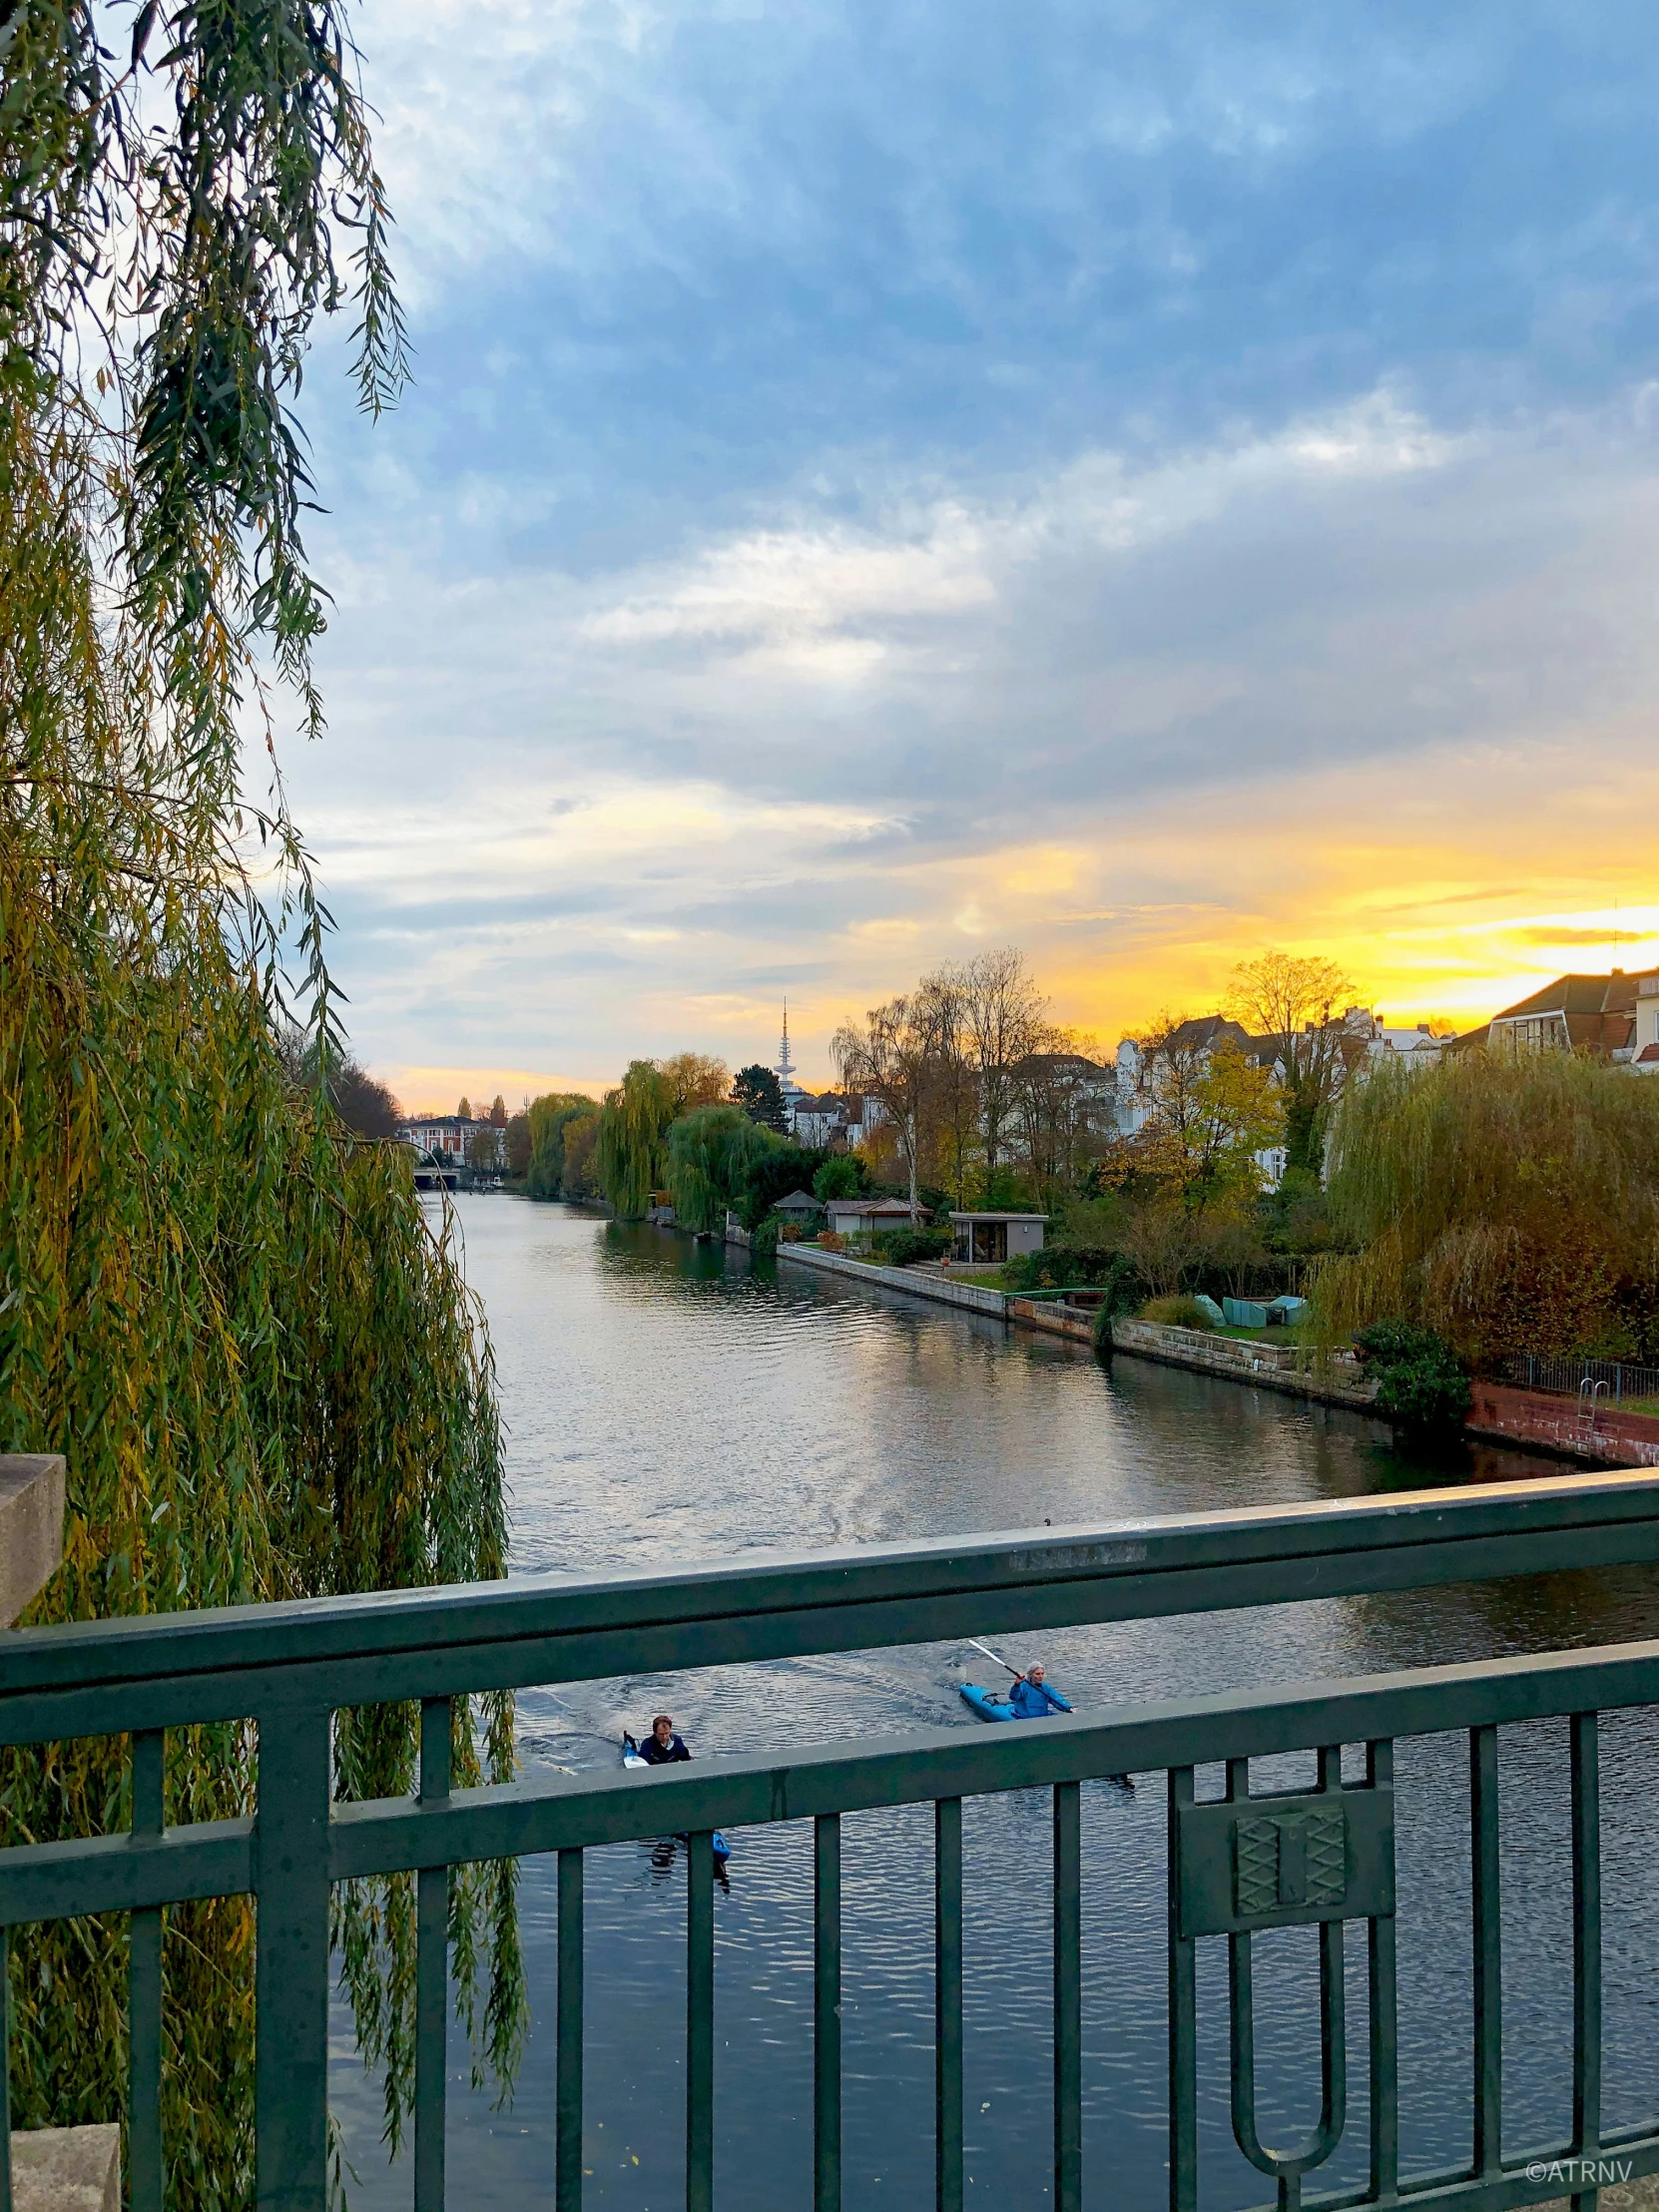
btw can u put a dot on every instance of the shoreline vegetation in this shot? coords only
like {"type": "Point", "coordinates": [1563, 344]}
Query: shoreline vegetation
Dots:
{"type": "Point", "coordinates": [225, 1309]}
{"type": "Point", "coordinates": [1435, 1222]}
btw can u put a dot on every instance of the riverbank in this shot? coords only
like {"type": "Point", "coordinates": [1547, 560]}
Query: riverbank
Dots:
{"type": "Point", "coordinates": [1554, 1428]}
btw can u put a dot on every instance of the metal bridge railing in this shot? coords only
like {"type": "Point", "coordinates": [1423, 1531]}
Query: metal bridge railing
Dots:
{"type": "Point", "coordinates": [1237, 1865]}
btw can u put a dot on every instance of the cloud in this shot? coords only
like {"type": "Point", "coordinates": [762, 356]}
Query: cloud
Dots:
{"type": "Point", "coordinates": [879, 482]}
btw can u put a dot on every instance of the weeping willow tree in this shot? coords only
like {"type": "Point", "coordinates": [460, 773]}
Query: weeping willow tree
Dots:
{"type": "Point", "coordinates": [711, 1155]}
{"type": "Point", "coordinates": [630, 1149]}
{"type": "Point", "coordinates": [260, 1363]}
{"type": "Point", "coordinates": [551, 1117]}
{"type": "Point", "coordinates": [1511, 1203]}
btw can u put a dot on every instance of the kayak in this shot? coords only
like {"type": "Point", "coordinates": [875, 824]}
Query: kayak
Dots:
{"type": "Point", "coordinates": [990, 1707]}
{"type": "Point", "coordinates": [987, 1703]}
{"type": "Point", "coordinates": [631, 1759]}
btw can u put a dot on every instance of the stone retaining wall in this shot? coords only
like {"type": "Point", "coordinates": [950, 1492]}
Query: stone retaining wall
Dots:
{"type": "Point", "coordinates": [1267, 1367]}
{"type": "Point", "coordinates": [919, 1282]}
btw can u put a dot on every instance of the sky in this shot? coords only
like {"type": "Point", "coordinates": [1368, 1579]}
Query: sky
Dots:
{"type": "Point", "coordinates": [1140, 482]}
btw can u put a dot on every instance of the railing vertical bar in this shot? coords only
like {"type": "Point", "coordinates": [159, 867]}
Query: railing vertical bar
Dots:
{"type": "Point", "coordinates": [5, 2071]}
{"type": "Point", "coordinates": [1385, 2017]}
{"type": "Point", "coordinates": [947, 2004]}
{"type": "Point", "coordinates": [1182, 2021]}
{"type": "Point", "coordinates": [1068, 1998]}
{"type": "Point", "coordinates": [1586, 1945]}
{"type": "Point", "coordinates": [1485, 1879]}
{"type": "Point", "coordinates": [700, 2022]}
{"type": "Point", "coordinates": [826, 2013]}
{"type": "Point", "coordinates": [144, 1990]}
{"type": "Point", "coordinates": [432, 1970]}
{"type": "Point", "coordinates": [566, 2183]}
{"type": "Point", "coordinates": [291, 2067]}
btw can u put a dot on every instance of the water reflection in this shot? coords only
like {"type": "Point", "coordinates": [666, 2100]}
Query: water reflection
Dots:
{"type": "Point", "coordinates": [665, 1400]}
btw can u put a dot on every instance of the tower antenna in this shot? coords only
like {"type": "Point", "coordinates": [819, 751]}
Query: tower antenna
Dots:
{"type": "Point", "coordinates": [785, 1066]}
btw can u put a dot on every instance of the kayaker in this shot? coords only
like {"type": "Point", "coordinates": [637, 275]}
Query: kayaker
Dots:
{"type": "Point", "coordinates": [1031, 1697]}
{"type": "Point", "coordinates": [662, 1747]}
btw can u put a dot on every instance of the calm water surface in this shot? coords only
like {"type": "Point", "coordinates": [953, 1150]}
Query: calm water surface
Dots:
{"type": "Point", "coordinates": [666, 1402]}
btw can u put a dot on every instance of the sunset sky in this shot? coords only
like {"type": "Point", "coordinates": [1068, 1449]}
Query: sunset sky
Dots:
{"type": "Point", "coordinates": [1135, 481]}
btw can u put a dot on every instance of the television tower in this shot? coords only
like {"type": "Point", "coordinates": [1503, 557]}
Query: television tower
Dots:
{"type": "Point", "coordinates": [785, 1066]}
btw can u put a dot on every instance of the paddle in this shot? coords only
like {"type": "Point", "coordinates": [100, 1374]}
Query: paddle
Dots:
{"type": "Point", "coordinates": [997, 1655]}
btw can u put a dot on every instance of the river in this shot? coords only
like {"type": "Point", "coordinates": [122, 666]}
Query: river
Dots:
{"type": "Point", "coordinates": [667, 1400]}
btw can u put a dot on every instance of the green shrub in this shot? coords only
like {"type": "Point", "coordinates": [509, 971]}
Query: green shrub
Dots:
{"type": "Point", "coordinates": [844, 1175]}
{"type": "Point", "coordinates": [904, 1248]}
{"type": "Point", "coordinates": [763, 1242]}
{"type": "Point", "coordinates": [1181, 1312]}
{"type": "Point", "coordinates": [1420, 1382]}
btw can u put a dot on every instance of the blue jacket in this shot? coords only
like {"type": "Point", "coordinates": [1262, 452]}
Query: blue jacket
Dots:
{"type": "Point", "coordinates": [1034, 1701]}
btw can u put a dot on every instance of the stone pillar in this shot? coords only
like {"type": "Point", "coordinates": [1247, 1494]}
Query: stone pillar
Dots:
{"type": "Point", "coordinates": [31, 1528]}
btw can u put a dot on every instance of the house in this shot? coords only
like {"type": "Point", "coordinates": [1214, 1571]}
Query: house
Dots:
{"type": "Point", "coordinates": [448, 1137]}
{"type": "Point", "coordinates": [819, 1118]}
{"type": "Point", "coordinates": [1580, 1013]}
{"type": "Point", "coordinates": [1644, 1045]}
{"type": "Point", "coordinates": [988, 1237]}
{"type": "Point", "coordinates": [799, 1207]}
{"type": "Point", "coordinates": [862, 1217]}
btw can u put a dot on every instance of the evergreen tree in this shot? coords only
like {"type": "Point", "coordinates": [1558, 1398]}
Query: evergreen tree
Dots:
{"type": "Point", "coordinates": [758, 1091]}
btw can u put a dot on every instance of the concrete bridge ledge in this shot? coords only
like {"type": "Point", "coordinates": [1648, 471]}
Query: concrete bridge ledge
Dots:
{"type": "Point", "coordinates": [67, 2169]}
{"type": "Point", "coordinates": [31, 1526]}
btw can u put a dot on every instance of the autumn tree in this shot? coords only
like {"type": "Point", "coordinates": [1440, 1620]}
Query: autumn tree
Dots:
{"type": "Point", "coordinates": [1295, 1002]}
{"type": "Point", "coordinates": [693, 1079]}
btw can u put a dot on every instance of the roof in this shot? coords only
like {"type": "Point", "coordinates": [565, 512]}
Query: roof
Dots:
{"type": "Point", "coordinates": [1648, 1057]}
{"type": "Point", "coordinates": [825, 1102]}
{"type": "Point", "coordinates": [998, 1217]}
{"type": "Point", "coordinates": [871, 1205]}
{"type": "Point", "coordinates": [799, 1202]}
{"type": "Point", "coordinates": [1579, 994]}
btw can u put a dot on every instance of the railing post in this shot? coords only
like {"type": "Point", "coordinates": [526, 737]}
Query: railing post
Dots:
{"type": "Point", "coordinates": [700, 2022]}
{"type": "Point", "coordinates": [1485, 1873]}
{"type": "Point", "coordinates": [5, 2072]}
{"type": "Point", "coordinates": [567, 2149]}
{"type": "Point", "coordinates": [1383, 2014]}
{"type": "Point", "coordinates": [1068, 1999]}
{"type": "Point", "coordinates": [144, 1992]}
{"type": "Point", "coordinates": [1183, 2019]}
{"type": "Point", "coordinates": [826, 2013]}
{"type": "Point", "coordinates": [291, 1972]}
{"type": "Point", "coordinates": [1586, 1947]}
{"type": "Point", "coordinates": [432, 1970]}
{"type": "Point", "coordinates": [947, 2004]}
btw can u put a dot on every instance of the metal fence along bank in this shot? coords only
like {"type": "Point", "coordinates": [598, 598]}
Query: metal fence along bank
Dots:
{"type": "Point", "coordinates": [1240, 1863]}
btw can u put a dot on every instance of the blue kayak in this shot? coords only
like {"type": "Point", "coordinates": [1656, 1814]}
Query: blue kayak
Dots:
{"type": "Point", "coordinates": [632, 1760]}
{"type": "Point", "coordinates": [990, 1707]}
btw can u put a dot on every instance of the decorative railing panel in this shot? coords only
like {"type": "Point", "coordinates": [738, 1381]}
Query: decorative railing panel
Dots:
{"type": "Point", "coordinates": [1249, 1861]}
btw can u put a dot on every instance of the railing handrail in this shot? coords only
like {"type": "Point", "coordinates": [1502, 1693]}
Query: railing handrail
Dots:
{"type": "Point", "coordinates": [548, 1813]}
{"type": "Point", "coordinates": [168, 1669]}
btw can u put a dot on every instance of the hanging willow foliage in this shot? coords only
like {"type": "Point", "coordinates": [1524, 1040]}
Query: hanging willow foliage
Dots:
{"type": "Point", "coordinates": [259, 1362]}
{"type": "Point", "coordinates": [1511, 1203]}
{"type": "Point", "coordinates": [630, 1148]}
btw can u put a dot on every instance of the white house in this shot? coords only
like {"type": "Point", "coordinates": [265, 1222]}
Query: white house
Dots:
{"type": "Point", "coordinates": [447, 1136]}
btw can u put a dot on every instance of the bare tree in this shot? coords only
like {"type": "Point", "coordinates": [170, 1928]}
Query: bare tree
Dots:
{"type": "Point", "coordinates": [1295, 1001]}
{"type": "Point", "coordinates": [1004, 1018]}
{"type": "Point", "coordinates": [893, 1057]}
